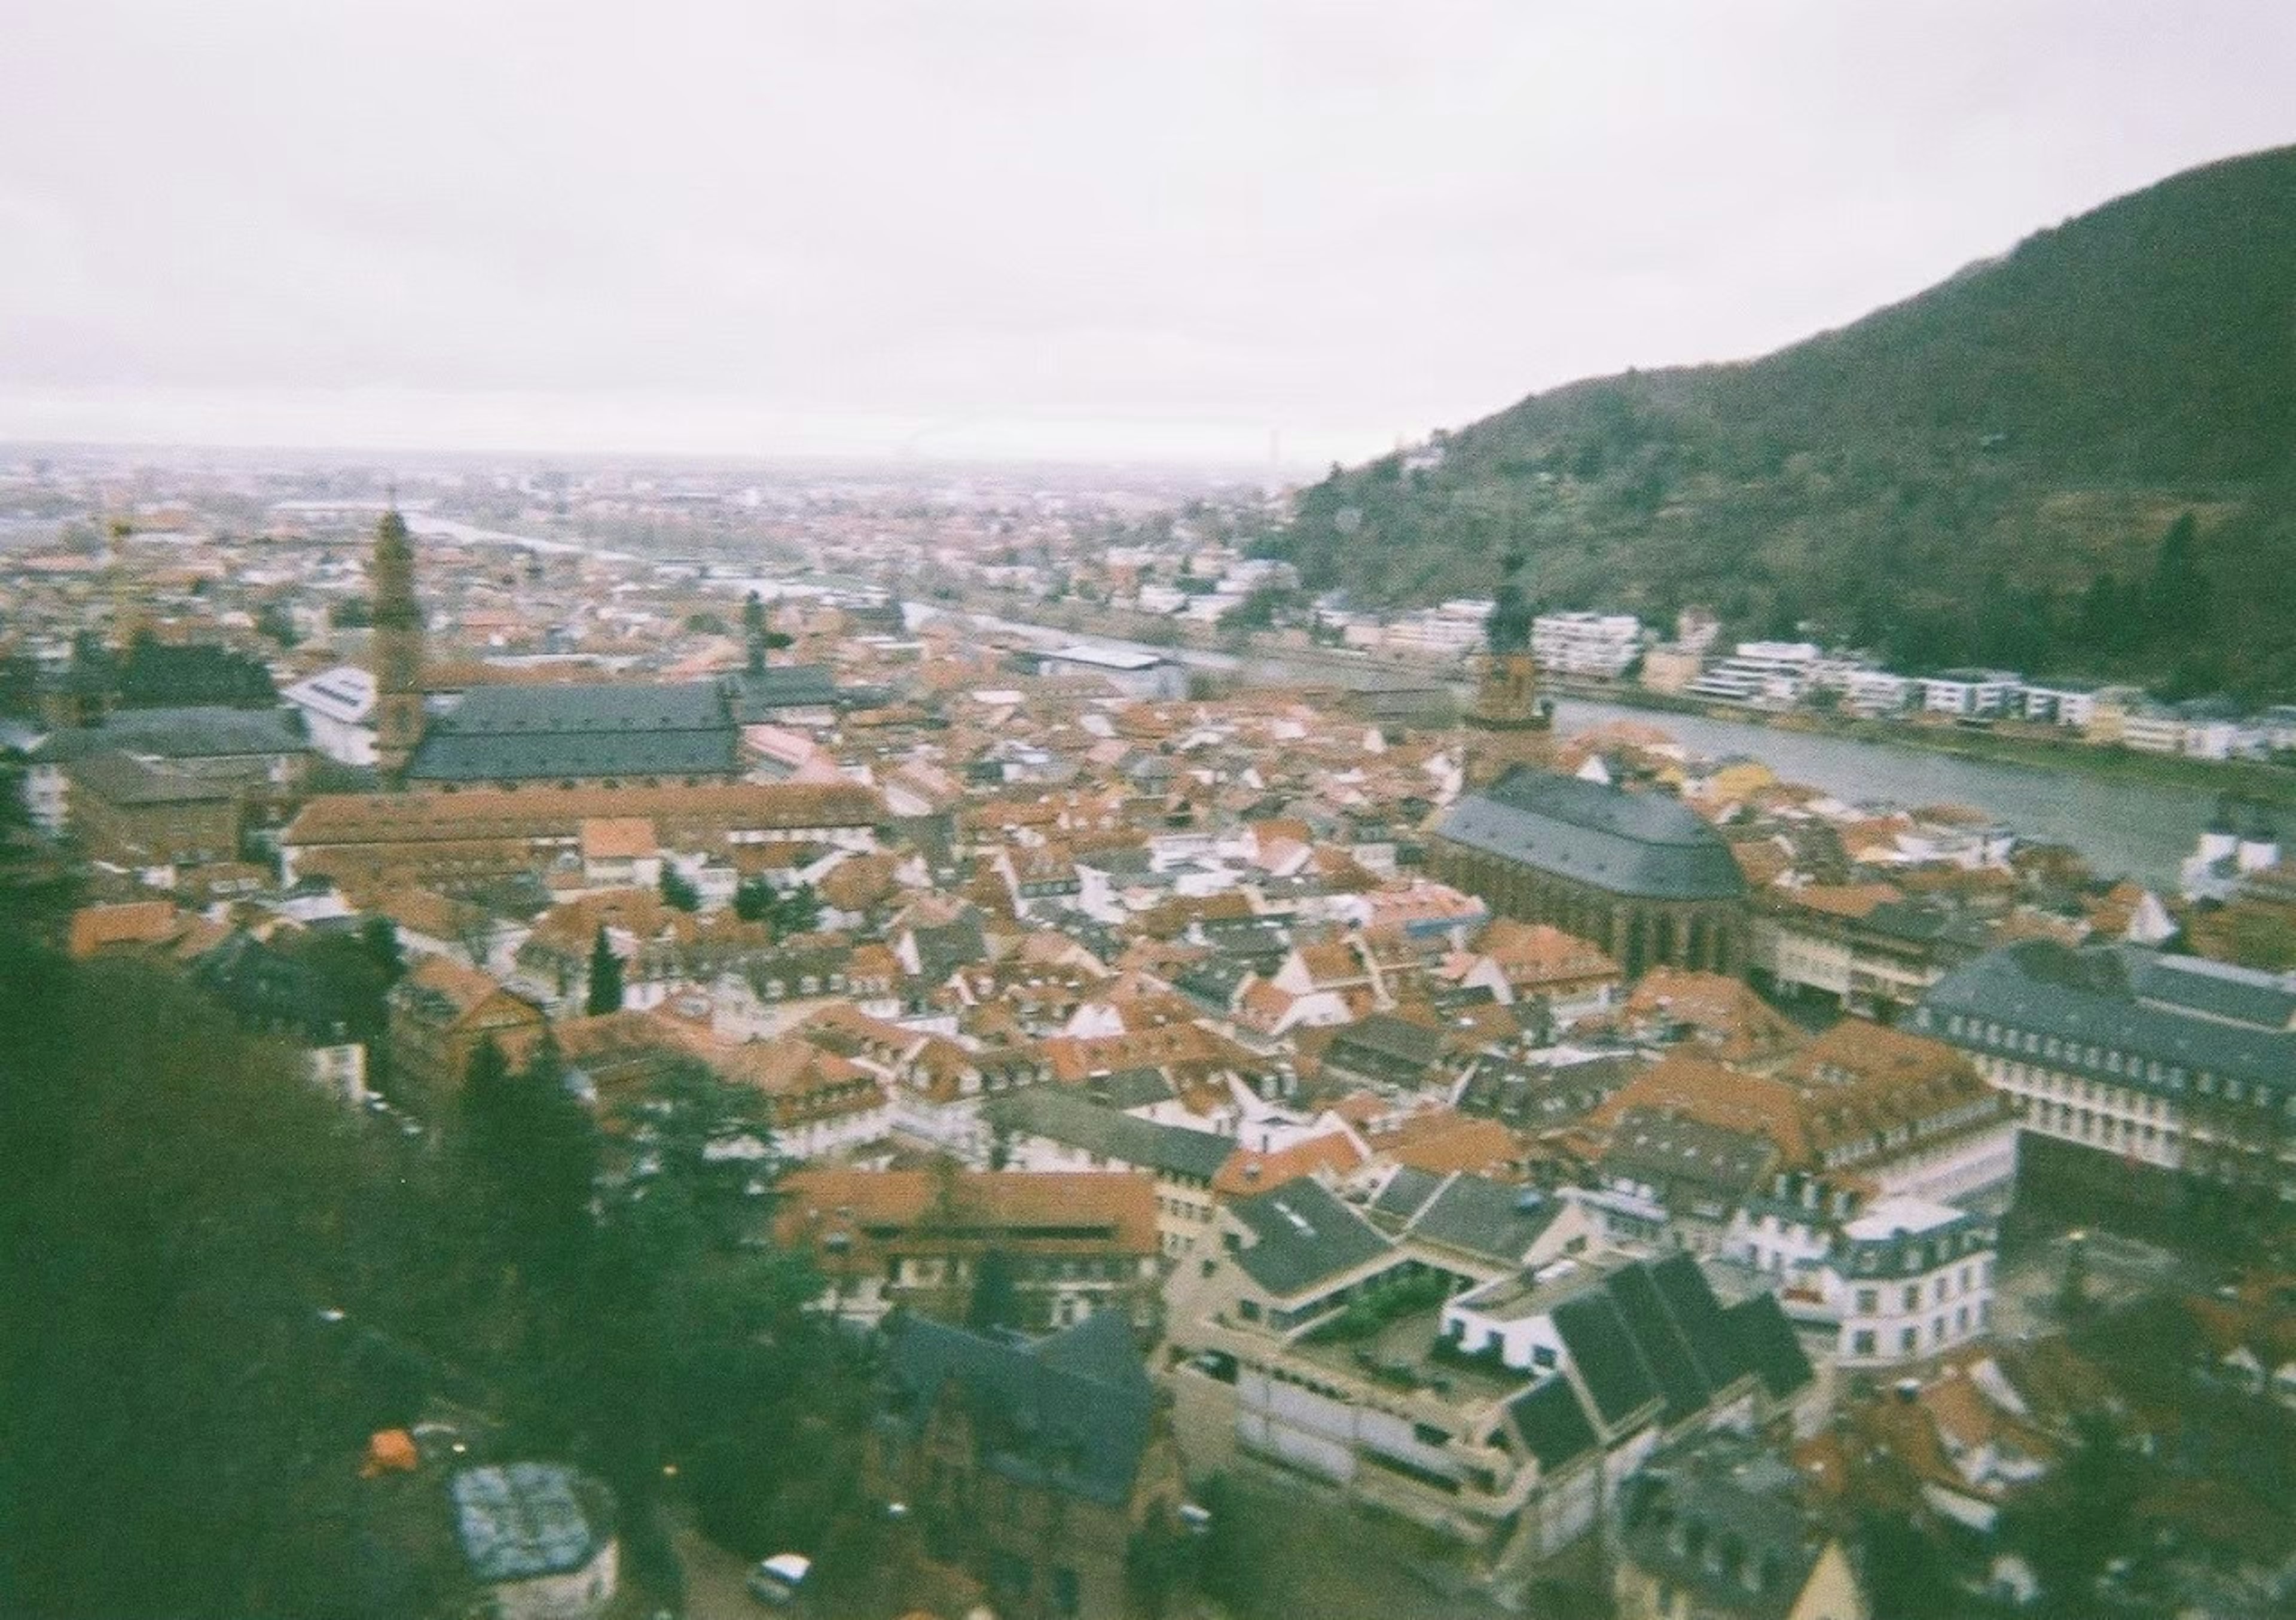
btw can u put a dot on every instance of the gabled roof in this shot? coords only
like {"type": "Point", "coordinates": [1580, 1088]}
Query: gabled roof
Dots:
{"type": "Point", "coordinates": [1603, 1350]}
{"type": "Point", "coordinates": [606, 729]}
{"type": "Point", "coordinates": [1552, 1425]}
{"type": "Point", "coordinates": [1768, 1345]}
{"type": "Point", "coordinates": [1073, 1413]}
{"type": "Point", "coordinates": [1079, 1122]}
{"type": "Point", "coordinates": [1488, 1219]}
{"type": "Point", "coordinates": [1642, 844]}
{"type": "Point", "coordinates": [2108, 999]}
{"type": "Point", "coordinates": [190, 733]}
{"type": "Point", "coordinates": [1722, 1518]}
{"type": "Point", "coordinates": [1302, 1235]}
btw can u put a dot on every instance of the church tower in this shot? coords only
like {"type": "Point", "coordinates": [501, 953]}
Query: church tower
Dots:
{"type": "Point", "coordinates": [1509, 722]}
{"type": "Point", "coordinates": [397, 650]}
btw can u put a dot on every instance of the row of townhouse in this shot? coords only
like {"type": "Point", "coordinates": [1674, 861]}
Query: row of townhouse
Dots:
{"type": "Point", "coordinates": [2144, 1073]}
{"type": "Point", "coordinates": [1457, 1353]}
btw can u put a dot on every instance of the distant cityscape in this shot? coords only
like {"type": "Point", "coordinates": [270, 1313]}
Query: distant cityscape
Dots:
{"type": "Point", "coordinates": [1215, 1061]}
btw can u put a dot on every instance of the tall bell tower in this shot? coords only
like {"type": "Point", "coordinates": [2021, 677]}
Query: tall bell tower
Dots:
{"type": "Point", "coordinates": [397, 657]}
{"type": "Point", "coordinates": [1509, 722]}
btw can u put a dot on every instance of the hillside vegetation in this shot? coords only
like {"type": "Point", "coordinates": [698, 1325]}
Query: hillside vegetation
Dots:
{"type": "Point", "coordinates": [2079, 458]}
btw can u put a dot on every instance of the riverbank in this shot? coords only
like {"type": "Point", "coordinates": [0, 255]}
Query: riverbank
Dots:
{"type": "Point", "coordinates": [2274, 784]}
{"type": "Point", "coordinates": [2128, 814]}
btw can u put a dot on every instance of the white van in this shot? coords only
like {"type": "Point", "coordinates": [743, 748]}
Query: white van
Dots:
{"type": "Point", "coordinates": [776, 1580]}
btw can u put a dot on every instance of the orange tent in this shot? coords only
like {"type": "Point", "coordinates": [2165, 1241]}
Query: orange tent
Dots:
{"type": "Point", "coordinates": [390, 1450]}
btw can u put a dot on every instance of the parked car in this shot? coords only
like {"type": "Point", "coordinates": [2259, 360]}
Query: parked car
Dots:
{"type": "Point", "coordinates": [777, 1580]}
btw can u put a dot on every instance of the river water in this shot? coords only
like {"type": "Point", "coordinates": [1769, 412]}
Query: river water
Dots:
{"type": "Point", "coordinates": [2121, 829]}
{"type": "Point", "coordinates": [2139, 829]}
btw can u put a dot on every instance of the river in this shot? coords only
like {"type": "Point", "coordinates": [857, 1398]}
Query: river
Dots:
{"type": "Point", "coordinates": [2139, 829]}
{"type": "Point", "coordinates": [2122, 828]}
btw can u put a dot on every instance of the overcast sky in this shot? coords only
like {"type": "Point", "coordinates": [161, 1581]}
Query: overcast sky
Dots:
{"type": "Point", "coordinates": [956, 227]}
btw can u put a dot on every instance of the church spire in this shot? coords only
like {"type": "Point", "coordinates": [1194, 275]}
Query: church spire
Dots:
{"type": "Point", "coordinates": [1509, 721]}
{"type": "Point", "coordinates": [397, 657]}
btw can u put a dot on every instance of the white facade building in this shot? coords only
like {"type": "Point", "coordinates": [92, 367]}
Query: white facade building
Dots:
{"type": "Point", "coordinates": [1586, 643]}
{"type": "Point", "coordinates": [1771, 673]}
{"type": "Point", "coordinates": [1972, 693]}
{"type": "Point", "coordinates": [1149, 675]}
{"type": "Point", "coordinates": [1909, 1280]}
{"type": "Point", "coordinates": [337, 710]}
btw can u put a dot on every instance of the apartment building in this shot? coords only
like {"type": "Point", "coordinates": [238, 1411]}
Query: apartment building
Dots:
{"type": "Point", "coordinates": [2158, 1071]}
{"type": "Point", "coordinates": [1060, 1246]}
{"type": "Point", "coordinates": [1774, 674]}
{"type": "Point", "coordinates": [1586, 642]}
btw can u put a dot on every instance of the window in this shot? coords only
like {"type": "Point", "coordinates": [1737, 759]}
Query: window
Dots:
{"type": "Point", "coordinates": [1869, 1301]}
{"type": "Point", "coordinates": [1912, 1297]}
{"type": "Point", "coordinates": [1862, 1343]}
{"type": "Point", "coordinates": [1909, 1340]}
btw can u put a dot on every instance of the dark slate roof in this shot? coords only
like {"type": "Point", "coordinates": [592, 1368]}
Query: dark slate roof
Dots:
{"type": "Point", "coordinates": [1486, 1218]}
{"type": "Point", "coordinates": [198, 733]}
{"type": "Point", "coordinates": [1691, 1155]}
{"type": "Point", "coordinates": [1302, 1235]}
{"type": "Point", "coordinates": [1656, 1331]}
{"type": "Point", "coordinates": [1074, 1413]}
{"type": "Point", "coordinates": [1705, 1326]}
{"type": "Point", "coordinates": [943, 948]}
{"type": "Point", "coordinates": [1602, 1349]}
{"type": "Point", "coordinates": [1064, 1117]}
{"type": "Point", "coordinates": [272, 993]}
{"type": "Point", "coordinates": [117, 779]}
{"type": "Point", "coordinates": [1405, 1194]}
{"type": "Point", "coordinates": [758, 694]}
{"type": "Point", "coordinates": [2215, 989]}
{"type": "Point", "coordinates": [1721, 1518]}
{"type": "Point", "coordinates": [1646, 845]}
{"type": "Point", "coordinates": [1138, 1086]}
{"type": "Point", "coordinates": [611, 729]}
{"type": "Point", "coordinates": [1385, 1035]}
{"type": "Point", "coordinates": [2090, 999]}
{"type": "Point", "coordinates": [1665, 1347]}
{"type": "Point", "coordinates": [1767, 1342]}
{"type": "Point", "coordinates": [1552, 1424]}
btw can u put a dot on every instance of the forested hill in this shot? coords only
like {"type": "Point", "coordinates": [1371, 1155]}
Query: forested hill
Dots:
{"type": "Point", "coordinates": [1992, 472]}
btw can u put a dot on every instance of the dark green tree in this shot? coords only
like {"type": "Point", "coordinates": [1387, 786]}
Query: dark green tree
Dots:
{"type": "Point", "coordinates": [488, 1113]}
{"type": "Point", "coordinates": [549, 1183]}
{"type": "Point", "coordinates": [996, 1301]}
{"type": "Point", "coordinates": [380, 936]}
{"type": "Point", "coordinates": [273, 619]}
{"type": "Point", "coordinates": [677, 890]}
{"type": "Point", "coordinates": [753, 900]}
{"type": "Point", "coordinates": [2075, 1521]}
{"type": "Point", "coordinates": [2177, 596]}
{"type": "Point", "coordinates": [796, 910]}
{"type": "Point", "coordinates": [605, 993]}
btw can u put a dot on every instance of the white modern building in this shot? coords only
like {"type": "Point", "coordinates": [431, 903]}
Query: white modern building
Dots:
{"type": "Point", "coordinates": [2057, 703]}
{"type": "Point", "coordinates": [1874, 693]}
{"type": "Point", "coordinates": [1771, 673]}
{"type": "Point", "coordinates": [337, 710]}
{"type": "Point", "coordinates": [1909, 1280]}
{"type": "Point", "coordinates": [1135, 674]}
{"type": "Point", "coordinates": [1972, 693]}
{"type": "Point", "coordinates": [1586, 642]}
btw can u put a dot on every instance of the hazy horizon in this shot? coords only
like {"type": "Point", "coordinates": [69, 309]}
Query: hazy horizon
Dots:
{"type": "Point", "coordinates": [1209, 235]}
